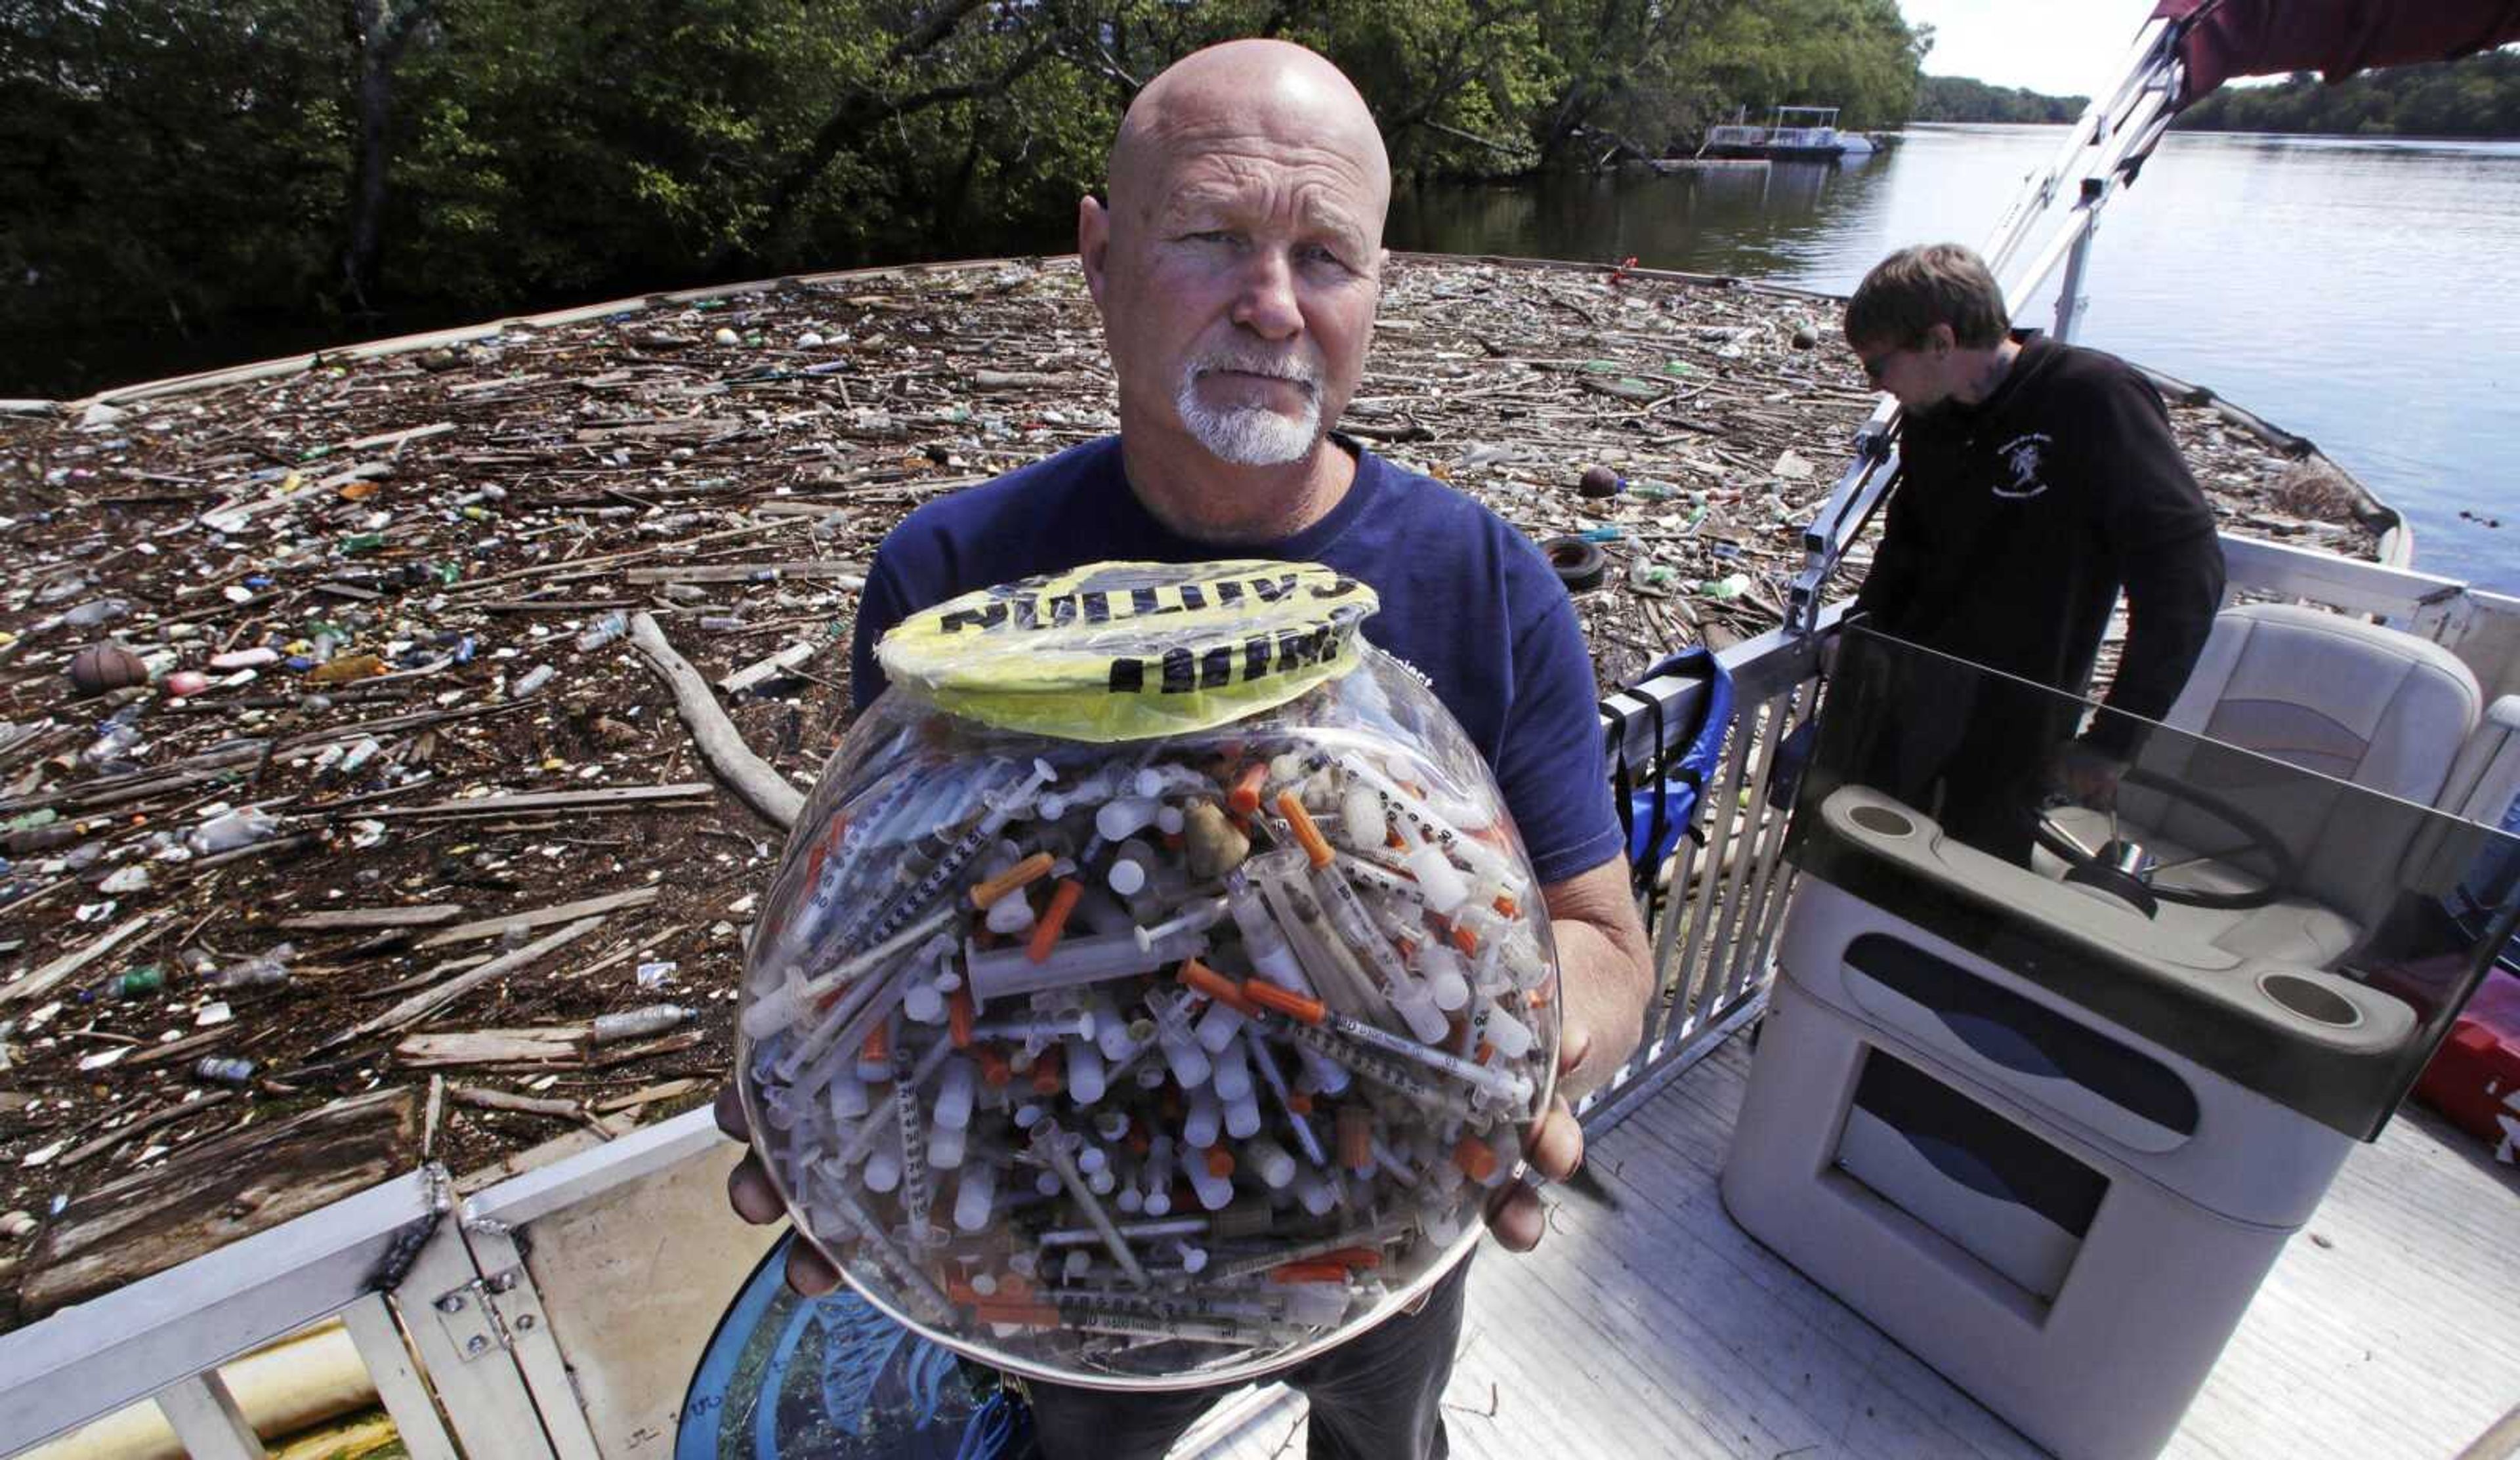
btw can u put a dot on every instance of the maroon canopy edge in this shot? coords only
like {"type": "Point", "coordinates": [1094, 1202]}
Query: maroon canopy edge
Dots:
{"type": "Point", "coordinates": [2226, 38]}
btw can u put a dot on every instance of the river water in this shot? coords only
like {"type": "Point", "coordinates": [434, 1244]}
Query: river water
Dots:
{"type": "Point", "coordinates": [2363, 293]}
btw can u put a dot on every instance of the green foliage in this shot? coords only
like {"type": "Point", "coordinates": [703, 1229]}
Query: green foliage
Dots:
{"type": "Point", "coordinates": [207, 163]}
{"type": "Point", "coordinates": [1960, 98]}
{"type": "Point", "coordinates": [2477, 97]}
{"type": "Point", "coordinates": [1856, 55]}
{"type": "Point", "coordinates": [160, 159]}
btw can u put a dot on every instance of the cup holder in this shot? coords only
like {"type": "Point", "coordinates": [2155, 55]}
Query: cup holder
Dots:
{"type": "Point", "coordinates": [1881, 821]}
{"type": "Point", "coordinates": [2311, 1001]}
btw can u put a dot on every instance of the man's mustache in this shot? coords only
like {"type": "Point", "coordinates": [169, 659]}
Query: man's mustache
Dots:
{"type": "Point", "coordinates": [1273, 367]}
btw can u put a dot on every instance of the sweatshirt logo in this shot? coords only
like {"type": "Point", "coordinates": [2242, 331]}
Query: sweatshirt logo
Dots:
{"type": "Point", "coordinates": [2021, 458]}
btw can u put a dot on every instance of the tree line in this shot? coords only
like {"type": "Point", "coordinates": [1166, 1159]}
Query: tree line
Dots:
{"type": "Point", "coordinates": [2478, 96]}
{"type": "Point", "coordinates": [1962, 99]}
{"type": "Point", "coordinates": [192, 164]}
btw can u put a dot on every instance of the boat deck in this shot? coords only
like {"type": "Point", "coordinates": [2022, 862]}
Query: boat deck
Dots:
{"type": "Point", "coordinates": [1652, 1326]}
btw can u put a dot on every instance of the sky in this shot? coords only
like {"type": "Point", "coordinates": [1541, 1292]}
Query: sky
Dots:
{"type": "Point", "coordinates": [2056, 47]}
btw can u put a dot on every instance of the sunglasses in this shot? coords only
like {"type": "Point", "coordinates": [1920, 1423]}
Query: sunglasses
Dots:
{"type": "Point", "coordinates": [1877, 366]}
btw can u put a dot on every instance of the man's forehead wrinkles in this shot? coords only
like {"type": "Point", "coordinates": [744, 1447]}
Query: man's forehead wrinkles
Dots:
{"type": "Point", "coordinates": [1248, 159]}
{"type": "Point", "coordinates": [1319, 196]}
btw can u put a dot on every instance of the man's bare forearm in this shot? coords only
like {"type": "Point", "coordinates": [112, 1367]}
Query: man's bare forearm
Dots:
{"type": "Point", "coordinates": [1606, 972]}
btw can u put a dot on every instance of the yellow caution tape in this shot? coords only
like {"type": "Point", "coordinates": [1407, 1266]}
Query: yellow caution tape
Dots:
{"type": "Point", "coordinates": [1131, 650]}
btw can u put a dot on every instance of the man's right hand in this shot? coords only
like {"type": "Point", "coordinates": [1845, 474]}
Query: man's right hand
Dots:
{"type": "Point", "coordinates": [2088, 775]}
{"type": "Point", "coordinates": [750, 1192]}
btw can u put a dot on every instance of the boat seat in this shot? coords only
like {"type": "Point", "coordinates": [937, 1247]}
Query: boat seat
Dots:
{"type": "Point", "coordinates": [2351, 700]}
{"type": "Point", "coordinates": [2355, 701]}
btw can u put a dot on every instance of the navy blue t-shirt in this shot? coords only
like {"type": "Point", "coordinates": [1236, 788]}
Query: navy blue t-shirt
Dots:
{"type": "Point", "coordinates": [1467, 600]}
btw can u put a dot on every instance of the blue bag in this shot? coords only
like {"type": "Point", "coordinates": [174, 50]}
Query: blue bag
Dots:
{"type": "Point", "coordinates": [1657, 806]}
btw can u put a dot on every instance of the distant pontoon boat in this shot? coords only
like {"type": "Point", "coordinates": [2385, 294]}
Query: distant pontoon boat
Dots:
{"type": "Point", "coordinates": [1802, 134]}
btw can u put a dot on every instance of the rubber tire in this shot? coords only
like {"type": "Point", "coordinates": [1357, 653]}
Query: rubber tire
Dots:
{"type": "Point", "coordinates": [1581, 565]}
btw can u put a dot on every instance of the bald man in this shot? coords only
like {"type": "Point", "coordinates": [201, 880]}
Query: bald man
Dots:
{"type": "Point", "coordinates": [1237, 263]}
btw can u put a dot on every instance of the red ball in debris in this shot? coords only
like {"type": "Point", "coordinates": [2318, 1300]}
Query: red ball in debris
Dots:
{"type": "Point", "coordinates": [184, 683]}
{"type": "Point", "coordinates": [1599, 481]}
{"type": "Point", "coordinates": [100, 667]}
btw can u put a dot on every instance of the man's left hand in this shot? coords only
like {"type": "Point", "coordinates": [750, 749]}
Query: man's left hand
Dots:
{"type": "Point", "coordinates": [1604, 980]}
{"type": "Point", "coordinates": [1554, 1149]}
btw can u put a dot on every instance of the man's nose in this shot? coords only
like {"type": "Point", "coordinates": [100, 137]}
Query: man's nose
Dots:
{"type": "Point", "coordinates": [1266, 303]}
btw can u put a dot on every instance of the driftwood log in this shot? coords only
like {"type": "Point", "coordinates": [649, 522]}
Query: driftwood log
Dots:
{"type": "Point", "coordinates": [764, 789]}
{"type": "Point", "coordinates": [485, 1099]}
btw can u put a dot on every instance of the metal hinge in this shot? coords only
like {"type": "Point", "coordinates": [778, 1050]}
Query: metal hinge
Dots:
{"type": "Point", "coordinates": [490, 1314]}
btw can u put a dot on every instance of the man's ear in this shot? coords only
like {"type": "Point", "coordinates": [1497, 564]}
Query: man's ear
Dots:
{"type": "Point", "coordinates": [1092, 243]}
{"type": "Point", "coordinates": [1941, 340]}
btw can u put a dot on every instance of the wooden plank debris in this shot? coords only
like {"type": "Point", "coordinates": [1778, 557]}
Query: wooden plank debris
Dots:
{"type": "Point", "coordinates": [849, 574]}
{"type": "Point", "coordinates": [396, 440]}
{"type": "Point", "coordinates": [536, 918]}
{"type": "Point", "coordinates": [631, 951]}
{"type": "Point", "coordinates": [429, 1000]}
{"type": "Point", "coordinates": [40, 981]}
{"type": "Point", "coordinates": [217, 1190]}
{"type": "Point", "coordinates": [550, 1044]}
{"type": "Point", "coordinates": [689, 1039]}
{"type": "Point", "coordinates": [180, 1110]}
{"type": "Point", "coordinates": [485, 806]}
{"type": "Point", "coordinates": [183, 1048]}
{"type": "Point", "coordinates": [784, 662]}
{"type": "Point", "coordinates": [427, 976]}
{"type": "Point", "coordinates": [555, 605]}
{"type": "Point", "coordinates": [436, 1112]}
{"type": "Point", "coordinates": [349, 919]}
{"type": "Point", "coordinates": [795, 506]}
{"type": "Point", "coordinates": [649, 1094]}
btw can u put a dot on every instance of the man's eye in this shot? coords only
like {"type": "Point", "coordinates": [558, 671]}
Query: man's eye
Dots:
{"type": "Point", "coordinates": [1324, 256]}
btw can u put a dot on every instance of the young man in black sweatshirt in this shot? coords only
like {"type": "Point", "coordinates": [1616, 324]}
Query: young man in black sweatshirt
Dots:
{"type": "Point", "coordinates": [2040, 479]}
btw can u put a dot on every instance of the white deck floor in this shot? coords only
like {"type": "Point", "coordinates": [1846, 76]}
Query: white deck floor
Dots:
{"type": "Point", "coordinates": [1659, 1329]}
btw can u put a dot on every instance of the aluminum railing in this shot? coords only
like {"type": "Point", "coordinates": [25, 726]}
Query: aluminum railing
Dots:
{"type": "Point", "coordinates": [442, 1297]}
{"type": "Point", "coordinates": [1712, 910]}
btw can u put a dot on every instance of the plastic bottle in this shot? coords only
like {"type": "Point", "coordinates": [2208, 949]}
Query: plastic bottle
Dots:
{"type": "Point", "coordinates": [359, 754]}
{"type": "Point", "coordinates": [97, 612]}
{"type": "Point", "coordinates": [267, 970]}
{"type": "Point", "coordinates": [114, 739]}
{"type": "Point", "coordinates": [136, 983]}
{"type": "Point", "coordinates": [604, 630]}
{"type": "Point", "coordinates": [237, 828]}
{"type": "Point", "coordinates": [535, 679]}
{"type": "Point", "coordinates": [219, 1070]}
{"type": "Point", "coordinates": [654, 1019]}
